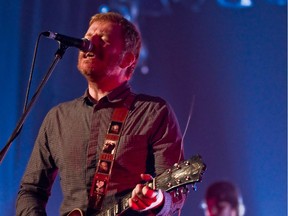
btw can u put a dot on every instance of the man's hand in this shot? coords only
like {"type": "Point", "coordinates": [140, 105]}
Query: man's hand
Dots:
{"type": "Point", "coordinates": [144, 198]}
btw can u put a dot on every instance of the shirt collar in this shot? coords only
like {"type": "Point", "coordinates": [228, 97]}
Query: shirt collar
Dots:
{"type": "Point", "coordinates": [116, 95]}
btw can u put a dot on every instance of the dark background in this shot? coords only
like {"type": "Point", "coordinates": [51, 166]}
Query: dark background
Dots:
{"type": "Point", "coordinates": [231, 62]}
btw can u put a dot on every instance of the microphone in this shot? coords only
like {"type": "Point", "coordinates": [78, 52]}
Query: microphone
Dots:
{"type": "Point", "coordinates": [83, 44]}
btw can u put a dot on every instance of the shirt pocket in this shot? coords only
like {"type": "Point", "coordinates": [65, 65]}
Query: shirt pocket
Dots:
{"type": "Point", "coordinates": [132, 152]}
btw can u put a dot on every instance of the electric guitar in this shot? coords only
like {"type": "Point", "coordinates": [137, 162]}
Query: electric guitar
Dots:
{"type": "Point", "coordinates": [181, 174]}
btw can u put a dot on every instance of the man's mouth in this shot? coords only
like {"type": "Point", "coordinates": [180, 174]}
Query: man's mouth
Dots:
{"type": "Point", "coordinates": [89, 55]}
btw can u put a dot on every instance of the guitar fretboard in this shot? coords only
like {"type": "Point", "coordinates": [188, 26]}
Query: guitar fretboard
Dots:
{"type": "Point", "coordinates": [116, 209]}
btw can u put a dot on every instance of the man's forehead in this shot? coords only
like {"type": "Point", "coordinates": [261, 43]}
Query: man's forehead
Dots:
{"type": "Point", "coordinates": [214, 201]}
{"type": "Point", "coordinates": [104, 28]}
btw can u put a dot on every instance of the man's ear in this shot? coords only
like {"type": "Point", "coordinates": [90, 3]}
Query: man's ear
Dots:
{"type": "Point", "coordinates": [127, 60]}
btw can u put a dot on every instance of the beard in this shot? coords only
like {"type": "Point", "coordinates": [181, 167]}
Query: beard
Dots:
{"type": "Point", "coordinates": [95, 70]}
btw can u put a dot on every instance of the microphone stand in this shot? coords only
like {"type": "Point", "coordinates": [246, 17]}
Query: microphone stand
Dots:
{"type": "Point", "coordinates": [58, 55]}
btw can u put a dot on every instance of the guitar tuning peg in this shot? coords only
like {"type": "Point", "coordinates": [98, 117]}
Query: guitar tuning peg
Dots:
{"type": "Point", "coordinates": [169, 184]}
{"type": "Point", "coordinates": [177, 166]}
{"type": "Point", "coordinates": [177, 193]}
{"type": "Point", "coordinates": [187, 178]}
{"type": "Point", "coordinates": [194, 187]}
{"type": "Point", "coordinates": [187, 163]}
{"type": "Point", "coordinates": [185, 190]}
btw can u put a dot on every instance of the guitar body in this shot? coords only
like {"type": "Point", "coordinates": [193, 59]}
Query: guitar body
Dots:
{"type": "Point", "coordinates": [181, 174]}
{"type": "Point", "coordinates": [76, 212]}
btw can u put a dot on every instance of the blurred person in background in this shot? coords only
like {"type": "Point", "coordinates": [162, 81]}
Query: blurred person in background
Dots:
{"type": "Point", "coordinates": [223, 198]}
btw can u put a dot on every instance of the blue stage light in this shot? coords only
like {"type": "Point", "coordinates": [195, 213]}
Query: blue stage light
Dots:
{"type": "Point", "coordinates": [236, 3]}
{"type": "Point", "coordinates": [104, 8]}
{"type": "Point", "coordinates": [278, 2]}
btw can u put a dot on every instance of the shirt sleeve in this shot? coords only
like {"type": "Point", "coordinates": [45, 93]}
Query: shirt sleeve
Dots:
{"type": "Point", "coordinates": [35, 186]}
{"type": "Point", "coordinates": [173, 203]}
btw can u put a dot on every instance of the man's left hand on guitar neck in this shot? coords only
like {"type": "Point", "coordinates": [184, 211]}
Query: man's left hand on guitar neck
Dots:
{"type": "Point", "coordinates": [145, 198]}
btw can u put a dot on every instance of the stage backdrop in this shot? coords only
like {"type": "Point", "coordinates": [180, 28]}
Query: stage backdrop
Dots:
{"type": "Point", "coordinates": [230, 61]}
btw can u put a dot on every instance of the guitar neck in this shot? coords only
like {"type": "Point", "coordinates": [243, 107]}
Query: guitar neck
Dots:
{"type": "Point", "coordinates": [118, 208]}
{"type": "Point", "coordinates": [123, 205]}
{"type": "Point", "coordinates": [181, 174]}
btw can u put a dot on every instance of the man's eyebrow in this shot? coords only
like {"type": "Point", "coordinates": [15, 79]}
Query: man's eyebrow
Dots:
{"type": "Point", "coordinates": [99, 32]}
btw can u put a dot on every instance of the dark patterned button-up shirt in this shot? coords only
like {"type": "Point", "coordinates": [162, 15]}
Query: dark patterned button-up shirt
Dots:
{"type": "Point", "coordinates": [150, 143]}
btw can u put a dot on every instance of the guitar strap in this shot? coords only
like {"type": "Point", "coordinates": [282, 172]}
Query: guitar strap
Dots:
{"type": "Point", "coordinates": [107, 157]}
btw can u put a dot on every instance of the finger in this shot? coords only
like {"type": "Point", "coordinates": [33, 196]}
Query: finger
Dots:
{"type": "Point", "coordinates": [149, 193]}
{"type": "Point", "coordinates": [137, 203]}
{"type": "Point", "coordinates": [147, 196]}
{"type": "Point", "coordinates": [133, 203]}
{"type": "Point", "coordinates": [137, 190]}
{"type": "Point", "coordinates": [146, 177]}
{"type": "Point", "coordinates": [144, 194]}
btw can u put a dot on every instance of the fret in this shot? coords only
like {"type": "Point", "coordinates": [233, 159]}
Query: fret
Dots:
{"type": "Point", "coordinates": [109, 212]}
{"type": "Point", "coordinates": [125, 204]}
{"type": "Point", "coordinates": [116, 209]}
